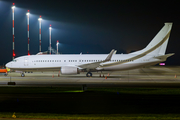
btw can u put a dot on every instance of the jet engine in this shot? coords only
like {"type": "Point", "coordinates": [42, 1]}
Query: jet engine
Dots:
{"type": "Point", "coordinates": [69, 70]}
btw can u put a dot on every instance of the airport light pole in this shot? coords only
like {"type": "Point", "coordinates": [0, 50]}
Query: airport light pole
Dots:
{"type": "Point", "coordinates": [28, 29]}
{"type": "Point", "coordinates": [13, 7]}
{"type": "Point", "coordinates": [40, 19]}
{"type": "Point", "coordinates": [50, 28]}
{"type": "Point", "coordinates": [57, 45]}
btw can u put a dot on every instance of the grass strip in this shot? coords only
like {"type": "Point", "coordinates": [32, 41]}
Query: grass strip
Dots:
{"type": "Point", "coordinates": [116, 90]}
{"type": "Point", "coordinates": [146, 91]}
{"type": "Point", "coordinates": [93, 116]}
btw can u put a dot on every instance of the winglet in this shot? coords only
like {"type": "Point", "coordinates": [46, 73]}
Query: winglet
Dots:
{"type": "Point", "coordinates": [115, 51]}
{"type": "Point", "coordinates": [110, 55]}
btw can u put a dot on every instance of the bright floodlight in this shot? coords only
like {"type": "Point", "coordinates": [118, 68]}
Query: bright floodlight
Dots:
{"type": "Point", "coordinates": [50, 28]}
{"type": "Point", "coordinates": [57, 42]}
{"type": "Point", "coordinates": [13, 7]}
{"type": "Point", "coordinates": [40, 19]}
{"type": "Point", "coordinates": [27, 13]}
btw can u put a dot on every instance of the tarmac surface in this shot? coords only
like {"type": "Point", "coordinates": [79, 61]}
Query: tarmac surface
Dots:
{"type": "Point", "coordinates": [130, 95]}
{"type": "Point", "coordinates": [150, 76]}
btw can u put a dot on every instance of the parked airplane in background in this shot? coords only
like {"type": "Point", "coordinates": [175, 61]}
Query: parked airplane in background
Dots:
{"type": "Point", "coordinates": [152, 54]}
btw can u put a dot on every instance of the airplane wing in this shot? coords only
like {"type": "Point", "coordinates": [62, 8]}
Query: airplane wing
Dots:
{"type": "Point", "coordinates": [97, 64]}
{"type": "Point", "coordinates": [162, 57]}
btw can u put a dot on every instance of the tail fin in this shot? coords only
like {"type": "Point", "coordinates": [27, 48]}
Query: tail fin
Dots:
{"type": "Point", "coordinates": [160, 41]}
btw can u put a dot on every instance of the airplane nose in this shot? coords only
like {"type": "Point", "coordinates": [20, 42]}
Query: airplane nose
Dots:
{"type": "Point", "coordinates": [8, 65]}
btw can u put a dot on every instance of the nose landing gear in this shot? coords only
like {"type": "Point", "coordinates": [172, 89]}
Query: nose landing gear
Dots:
{"type": "Point", "coordinates": [22, 75]}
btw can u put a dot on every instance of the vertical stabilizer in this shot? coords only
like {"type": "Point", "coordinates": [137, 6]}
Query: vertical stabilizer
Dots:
{"type": "Point", "coordinates": [159, 43]}
{"type": "Point", "coordinates": [163, 47]}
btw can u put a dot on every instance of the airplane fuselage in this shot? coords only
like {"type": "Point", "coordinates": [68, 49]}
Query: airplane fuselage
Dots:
{"type": "Point", "coordinates": [55, 62]}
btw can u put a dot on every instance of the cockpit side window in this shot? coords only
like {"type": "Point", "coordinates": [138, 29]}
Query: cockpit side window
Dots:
{"type": "Point", "coordinates": [14, 60]}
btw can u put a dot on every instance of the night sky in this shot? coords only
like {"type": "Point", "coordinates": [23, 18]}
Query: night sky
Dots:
{"type": "Point", "coordinates": [88, 26]}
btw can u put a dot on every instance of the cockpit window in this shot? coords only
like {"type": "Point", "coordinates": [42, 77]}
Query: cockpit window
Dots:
{"type": "Point", "coordinates": [14, 60]}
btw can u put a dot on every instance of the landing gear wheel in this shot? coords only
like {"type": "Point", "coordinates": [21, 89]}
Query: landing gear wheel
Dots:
{"type": "Point", "coordinates": [22, 75]}
{"type": "Point", "coordinates": [89, 74]}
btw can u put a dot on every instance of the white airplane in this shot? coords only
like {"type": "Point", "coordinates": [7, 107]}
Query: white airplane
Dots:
{"type": "Point", "coordinates": [152, 54]}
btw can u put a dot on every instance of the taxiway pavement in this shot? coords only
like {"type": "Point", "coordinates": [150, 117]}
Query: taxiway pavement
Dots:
{"type": "Point", "coordinates": [156, 75]}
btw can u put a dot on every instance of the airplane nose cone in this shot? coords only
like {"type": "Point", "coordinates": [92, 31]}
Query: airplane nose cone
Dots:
{"type": "Point", "coordinates": [8, 65]}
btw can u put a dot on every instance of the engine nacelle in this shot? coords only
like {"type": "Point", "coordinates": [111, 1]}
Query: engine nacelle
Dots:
{"type": "Point", "coordinates": [69, 70]}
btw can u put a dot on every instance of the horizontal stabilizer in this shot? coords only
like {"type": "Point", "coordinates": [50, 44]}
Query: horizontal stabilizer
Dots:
{"type": "Point", "coordinates": [164, 56]}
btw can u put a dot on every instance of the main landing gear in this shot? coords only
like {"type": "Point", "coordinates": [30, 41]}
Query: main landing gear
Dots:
{"type": "Point", "coordinates": [89, 74]}
{"type": "Point", "coordinates": [22, 75]}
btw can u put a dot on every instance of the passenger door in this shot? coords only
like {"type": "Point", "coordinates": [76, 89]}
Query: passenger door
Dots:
{"type": "Point", "coordinates": [26, 61]}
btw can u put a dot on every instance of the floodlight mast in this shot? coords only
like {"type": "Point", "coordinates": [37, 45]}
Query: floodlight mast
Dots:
{"type": "Point", "coordinates": [57, 45]}
{"type": "Point", "coordinates": [28, 29]}
{"type": "Point", "coordinates": [13, 7]}
{"type": "Point", "coordinates": [40, 19]}
{"type": "Point", "coordinates": [50, 39]}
